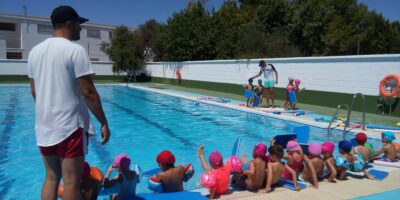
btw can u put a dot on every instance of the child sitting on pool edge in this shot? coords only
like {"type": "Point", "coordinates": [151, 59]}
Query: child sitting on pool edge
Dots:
{"type": "Point", "coordinates": [314, 164]}
{"type": "Point", "coordinates": [275, 167]}
{"type": "Point", "coordinates": [253, 178]}
{"type": "Point", "coordinates": [329, 169]}
{"type": "Point", "coordinates": [220, 171]}
{"type": "Point", "coordinates": [362, 153]}
{"type": "Point", "coordinates": [126, 178]}
{"type": "Point", "coordinates": [388, 149]}
{"type": "Point", "coordinates": [171, 177]}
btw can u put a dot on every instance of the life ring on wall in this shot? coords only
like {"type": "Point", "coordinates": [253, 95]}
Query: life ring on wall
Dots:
{"type": "Point", "coordinates": [383, 83]}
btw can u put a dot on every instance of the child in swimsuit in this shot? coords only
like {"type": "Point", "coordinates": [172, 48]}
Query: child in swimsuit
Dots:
{"type": "Point", "coordinates": [314, 164]}
{"type": "Point", "coordinates": [258, 94]}
{"type": "Point", "coordinates": [219, 170]}
{"type": "Point", "coordinates": [297, 90]}
{"type": "Point", "coordinates": [362, 153]}
{"type": "Point", "coordinates": [171, 177]}
{"type": "Point", "coordinates": [388, 149]}
{"type": "Point", "coordinates": [249, 93]}
{"type": "Point", "coordinates": [329, 169]}
{"type": "Point", "coordinates": [253, 178]}
{"type": "Point", "coordinates": [346, 160]}
{"type": "Point", "coordinates": [294, 159]}
{"type": "Point", "coordinates": [290, 88]}
{"type": "Point", "coordinates": [126, 178]}
{"type": "Point", "coordinates": [275, 168]}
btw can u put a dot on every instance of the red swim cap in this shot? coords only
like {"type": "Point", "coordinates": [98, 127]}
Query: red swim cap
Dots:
{"type": "Point", "coordinates": [361, 138]}
{"type": "Point", "coordinates": [166, 157]}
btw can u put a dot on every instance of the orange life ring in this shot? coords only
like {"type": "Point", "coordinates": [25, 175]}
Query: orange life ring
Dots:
{"type": "Point", "coordinates": [96, 174]}
{"type": "Point", "coordinates": [382, 85]}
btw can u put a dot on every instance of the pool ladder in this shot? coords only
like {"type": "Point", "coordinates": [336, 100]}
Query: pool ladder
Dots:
{"type": "Point", "coordinates": [349, 110]}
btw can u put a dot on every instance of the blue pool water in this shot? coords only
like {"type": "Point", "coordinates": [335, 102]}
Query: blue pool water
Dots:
{"type": "Point", "coordinates": [142, 125]}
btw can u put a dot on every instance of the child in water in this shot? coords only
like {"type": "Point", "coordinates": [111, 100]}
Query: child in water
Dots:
{"type": "Point", "coordinates": [126, 178]}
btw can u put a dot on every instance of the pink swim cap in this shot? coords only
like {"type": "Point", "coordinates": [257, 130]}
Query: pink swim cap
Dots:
{"type": "Point", "coordinates": [314, 149]}
{"type": "Point", "coordinates": [215, 159]}
{"type": "Point", "coordinates": [297, 81]}
{"type": "Point", "coordinates": [122, 161]}
{"type": "Point", "coordinates": [236, 164]}
{"type": "Point", "coordinates": [260, 150]}
{"type": "Point", "coordinates": [293, 146]}
{"type": "Point", "coordinates": [328, 147]}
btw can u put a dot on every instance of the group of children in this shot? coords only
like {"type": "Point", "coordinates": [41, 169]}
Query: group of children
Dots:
{"type": "Point", "coordinates": [263, 171]}
{"type": "Point", "coordinates": [254, 94]}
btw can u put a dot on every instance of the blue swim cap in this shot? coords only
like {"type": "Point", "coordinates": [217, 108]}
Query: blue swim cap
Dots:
{"type": "Point", "coordinates": [250, 80]}
{"type": "Point", "coordinates": [345, 146]}
{"type": "Point", "coordinates": [259, 81]}
{"type": "Point", "coordinates": [389, 136]}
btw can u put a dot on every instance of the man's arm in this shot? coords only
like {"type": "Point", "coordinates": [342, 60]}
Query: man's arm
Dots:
{"type": "Point", "coordinates": [33, 91]}
{"type": "Point", "coordinates": [93, 102]}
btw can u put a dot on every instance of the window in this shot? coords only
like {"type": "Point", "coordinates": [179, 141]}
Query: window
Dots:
{"type": "Point", "coordinates": [44, 29]}
{"type": "Point", "coordinates": [4, 26]}
{"type": "Point", "coordinates": [93, 33]}
{"type": "Point", "coordinates": [14, 55]}
{"type": "Point", "coordinates": [110, 35]}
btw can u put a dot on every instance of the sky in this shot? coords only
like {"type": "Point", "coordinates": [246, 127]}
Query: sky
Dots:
{"type": "Point", "coordinates": [132, 13]}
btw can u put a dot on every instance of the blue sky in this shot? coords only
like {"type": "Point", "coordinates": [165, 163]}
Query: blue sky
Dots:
{"type": "Point", "coordinates": [134, 12]}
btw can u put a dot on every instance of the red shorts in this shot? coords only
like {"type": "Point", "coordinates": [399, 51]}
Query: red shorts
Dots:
{"type": "Point", "coordinates": [74, 146]}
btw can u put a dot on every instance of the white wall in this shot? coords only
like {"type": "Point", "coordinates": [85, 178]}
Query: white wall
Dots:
{"type": "Point", "coordinates": [19, 67]}
{"type": "Point", "coordinates": [343, 74]}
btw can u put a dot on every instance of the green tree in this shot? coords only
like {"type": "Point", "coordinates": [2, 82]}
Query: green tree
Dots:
{"type": "Point", "coordinates": [187, 35]}
{"type": "Point", "coordinates": [395, 37]}
{"type": "Point", "coordinates": [125, 51]}
{"type": "Point", "coordinates": [151, 36]}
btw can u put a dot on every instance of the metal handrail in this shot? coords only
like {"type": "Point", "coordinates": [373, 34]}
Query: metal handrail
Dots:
{"type": "Point", "coordinates": [351, 109]}
{"type": "Point", "coordinates": [335, 115]}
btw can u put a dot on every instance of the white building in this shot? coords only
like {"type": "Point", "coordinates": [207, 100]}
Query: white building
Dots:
{"type": "Point", "coordinates": [19, 34]}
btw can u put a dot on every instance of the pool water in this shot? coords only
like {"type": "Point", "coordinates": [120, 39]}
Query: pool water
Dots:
{"type": "Point", "coordinates": [142, 124]}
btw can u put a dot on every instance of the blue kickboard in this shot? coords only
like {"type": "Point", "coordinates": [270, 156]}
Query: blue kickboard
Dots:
{"type": "Point", "coordinates": [378, 175]}
{"type": "Point", "coordinates": [169, 196]}
{"type": "Point", "coordinates": [151, 172]}
{"type": "Point", "coordinates": [379, 126]}
{"type": "Point", "coordinates": [303, 134]}
{"type": "Point", "coordinates": [289, 184]}
{"type": "Point", "coordinates": [284, 139]}
{"type": "Point", "coordinates": [236, 147]}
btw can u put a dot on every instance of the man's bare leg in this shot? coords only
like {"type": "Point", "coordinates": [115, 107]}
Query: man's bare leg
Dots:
{"type": "Point", "coordinates": [52, 179]}
{"type": "Point", "coordinates": [72, 169]}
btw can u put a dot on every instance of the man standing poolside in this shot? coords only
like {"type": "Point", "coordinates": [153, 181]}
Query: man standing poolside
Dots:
{"type": "Point", "coordinates": [269, 82]}
{"type": "Point", "coordinates": [60, 78]}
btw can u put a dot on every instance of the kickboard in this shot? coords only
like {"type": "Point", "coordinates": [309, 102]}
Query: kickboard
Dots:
{"type": "Point", "coordinates": [303, 134]}
{"type": "Point", "coordinates": [151, 172]}
{"type": "Point", "coordinates": [378, 175]}
{"type": "Point", "coordinates": [383, 127]}
{"type": "Point", "coordinates": [284, 139]}
{"type": "Point", "coordinates": [236, 147]}
{"type": "Point", "coordinates": [168, 196]}
{"type": "Point", "coordinates": [289, 184]}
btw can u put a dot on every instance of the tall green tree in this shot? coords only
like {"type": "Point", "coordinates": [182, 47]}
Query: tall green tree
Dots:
{"type": "Point", "coordinates": [187, 35]}
{"type": "Point", "coordinates": [151, 36]}
{"type": "Point", "coordinates": [125, 51]}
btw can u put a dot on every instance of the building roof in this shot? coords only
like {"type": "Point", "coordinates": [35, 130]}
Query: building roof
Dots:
{"type": "Point", "coordinates": [44, 19]}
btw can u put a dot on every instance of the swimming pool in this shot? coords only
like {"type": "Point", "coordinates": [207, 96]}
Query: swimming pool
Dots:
{"type": "Point", "coordinates": [142, 125]}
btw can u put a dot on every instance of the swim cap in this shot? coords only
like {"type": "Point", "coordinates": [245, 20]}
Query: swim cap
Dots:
{"type": "Point", "coordinates": [122, 161]}
{"type": "Point", "coordinates": [291, 78]}
{"type": "Point", "coordinates": [389, 136]}
{"type": "Point", "coordinates": [293, 146]}
{"type": "Point", "coordinates": [314, 149]}
{"type": "Point", "coordinates": [297, 81]}
{"type": "Point", "coordinates": [361, 138]}
{"type": "Point", "coordinates": [166, 157]}
{"type": "Point", "coordinates": [345, 146]}
{"type": "Point", "coordinates": [86, 170]}
{"type": "Point", "coordinates": [328, 147]}
{"type": "Point", "coordinates": [259, 81]}
{"type": "Point", "coordinates": [260, 149]}
{"type": "Point", "coordinates": [215, 159]}
{"type": "Point", "coordinates": [250, 80]}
